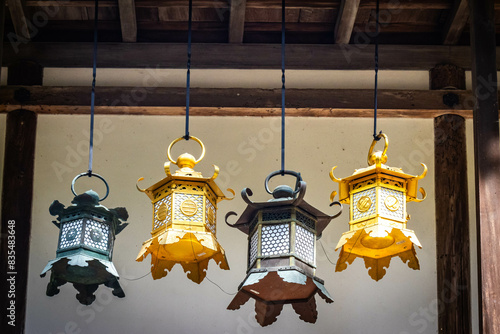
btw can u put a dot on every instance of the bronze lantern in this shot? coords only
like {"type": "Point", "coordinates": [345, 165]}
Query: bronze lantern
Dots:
{"type": "Point", "coordinates": [87, 233]}
{"type": "Point", "coordinates": [282, 235]}
{"type": "Point", "coordinates": [184, 219]}
{"type": "Point", "coordinates": [377, 228]}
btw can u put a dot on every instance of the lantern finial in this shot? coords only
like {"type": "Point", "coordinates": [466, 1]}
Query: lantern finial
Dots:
{"type": "Point", "coordinates": [378, 195]}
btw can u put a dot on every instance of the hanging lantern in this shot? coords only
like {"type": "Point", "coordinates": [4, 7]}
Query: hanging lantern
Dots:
{"type": "Point", "coordinates": [87, 233]}
{"type": "Point", "coordinates": [378, 195]}
{"type": "Point", "coordinates": [282, 235]}
{"type": "Point", "coordinates": [184, 219]}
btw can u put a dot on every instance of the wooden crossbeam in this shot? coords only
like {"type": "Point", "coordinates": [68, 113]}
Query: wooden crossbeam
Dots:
{"type": "Point", "coordinates": [456, 22]}
{"type": "Point", "coordinates": [237, 21]}
{"type": "Point", "coordinates": [241, 56]}
{"type": "Point", "coordinates": [128, 20]}
{"type": "Point", "coordinates": [345, 21]}
{"type": "Point", "coordinates": [238, 102]}
{"type": "Point", "coordinates": [18, 19]}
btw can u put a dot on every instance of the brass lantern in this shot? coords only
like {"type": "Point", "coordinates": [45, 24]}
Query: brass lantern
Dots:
{"type": "Point", "coordinates": [282, 235]}
{"type": "Point", "coordinates": [184, 219]}
{"type": "Point", "coordinates": [87, 233]}
{"type": "Point", "coordinates": [377, 228]}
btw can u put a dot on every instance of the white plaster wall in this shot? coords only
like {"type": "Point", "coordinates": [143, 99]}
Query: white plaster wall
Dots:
{"type": "Point", "coordinates": [230, 78]}
{"type": "Point", "coordinates": [129, 147]}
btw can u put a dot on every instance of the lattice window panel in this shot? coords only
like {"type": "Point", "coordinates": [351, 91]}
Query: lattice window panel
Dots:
{"type": "Point", "coordinates": [372, 195]}
{"type": "Point", "coordinates": [309, 222]}
{"type": "Point", "coordinates": [275, 239]}
{"type": "Point", "coordinates": [304, 244]}
{"type": "Point", "coordinates": [167, 201]}
{"type": "Point", "coordinates": [210, 218]}
{"type": "Point", "coordinates": [96, 235]}
{"type": "Point", "coordinates": [280, 215]}
{"type": "Point", "coordinates": [198, 199]}
{"type": "Point", "coordinates": [254, 240]}
{"type": "Point", "coordinates": [397, 214]}
{"type": "Point", "coordinates": [71, 234]}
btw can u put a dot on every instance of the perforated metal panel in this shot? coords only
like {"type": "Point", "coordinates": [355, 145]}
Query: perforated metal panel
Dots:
{"type": "Point", "coordinates": [391, 203]}
{"type": "Point", "coordinates": [275, 239]}
{"type": "Point", "coordinates": [254, 240]}
{"type": "Point", "coordinates": [196, 199]}
{"type": "Point", "coordinates": [162, 205]}
{"type": "Point", "coordinates": [309, 222]}
{"type": "Point", "coordinates": [367, 196]}
{"type": "Point", "coordinates": [304, 244]}
{"type": "Point", "coordinates": [71, 234]}
{"type": "Point", "coordinates": [211, 217]}
{"type": "Point", "coordinates": [96, 235]}
{"type": "Point", "coordinates": [280, 215]}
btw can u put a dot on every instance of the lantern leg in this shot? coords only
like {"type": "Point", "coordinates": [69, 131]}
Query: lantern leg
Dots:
{"type": "Point", "coordinates": [86, 293]}
{"type": "Point", "coordinates": [117, 289]}
{"type": "Point", "coordinates": [266, 314]}
{"type": "Point", "coordinates": [53, 285]}
{"type": "Point", "coordinates": [410, 257]}
{"type": "Point", "coordinates": [306, 310]}
{"type": "Point", "coordinates": [376, 267]}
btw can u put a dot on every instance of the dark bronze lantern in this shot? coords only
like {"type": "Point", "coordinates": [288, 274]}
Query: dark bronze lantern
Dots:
{"type": "Point", "coordinates": [87, 233]}
{"type": "Point", "coordinates": [282, 235]}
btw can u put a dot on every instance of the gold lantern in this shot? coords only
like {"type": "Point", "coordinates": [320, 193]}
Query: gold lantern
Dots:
{"type": "Point", "coordinates": [184, 219]}
{"type": "Point", "coordinates": [377, 228]}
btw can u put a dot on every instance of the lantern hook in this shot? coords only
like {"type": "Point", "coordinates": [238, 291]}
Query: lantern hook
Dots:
{"type": "Point", "coordinates": [137, 185]}
{"type": "Point", "coordinates": [378, 157]}
{"type": "Point", "coordinates": [283, 172]}
{"type": "Point", "coordinates": [90, 174]}
{"type": "Point", "coordinates": [183, 138]}
{"type": "Point", "coordinates": [340, 212]}
{"type": "Point", "coordinates": [229, 214]}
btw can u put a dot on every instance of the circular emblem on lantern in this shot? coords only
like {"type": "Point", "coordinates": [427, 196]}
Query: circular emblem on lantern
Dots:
{"type": "Point", "coordinates": [189, 207]}
{"type": "Point", "coordinates": [95, 235]}
{"type": "Point", "coordinates": [391, 203]}
{"type": "Point", "coordinates": [71, 234]}
{"type": "Point", "coordinates": [364, 204]}
{"type": "Point", "coordinates": [161, 214]}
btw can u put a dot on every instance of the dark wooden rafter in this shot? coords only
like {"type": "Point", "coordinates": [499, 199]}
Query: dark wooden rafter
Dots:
{"type": "Point", "coordinates": [128, 20]}
{"type": "Point", "coordinates": [345, 21]}
{"type": "Point", "coordinates": [238, 102]}
{"type": "Point", "coordinates": [2, 28]}
{"type": "Point", "coordinates": [456, 22]}
{"type": "Point", "coordinates": [241, 56]}
{"type": "Point", "coordinates": [19, 19]}
{"type": "Point", "coordinates": [237, 21]}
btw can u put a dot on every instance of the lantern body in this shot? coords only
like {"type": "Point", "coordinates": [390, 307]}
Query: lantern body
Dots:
{"type": "Point", "coordinates": [377, 228]}
{"type": "Point", "coordinates": [184, 222]}
{"type": "Point", "coordinates": [281, 256]}
{"type": "Point", "coordinates": [85, 247]}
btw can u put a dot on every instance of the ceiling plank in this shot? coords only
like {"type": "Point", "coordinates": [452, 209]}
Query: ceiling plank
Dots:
{"type": "Point", "coordinates": [241, 56]}
{"type": "Point", "coordinates": [456, 22]}
{"type": "Point", "coordinates": [237, 21]}
{"type": "Point", "coordinates": [345, 21]}
{"type": "Point", "coordinates": [19, 19]}
{"type": "Point", "coordinates": [128, 20]}
{"type": "Point", "coordinates": [238, 102]}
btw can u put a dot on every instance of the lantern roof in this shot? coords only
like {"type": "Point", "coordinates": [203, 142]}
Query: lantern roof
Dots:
{"type": "Point", "coordinates": [244, 221]}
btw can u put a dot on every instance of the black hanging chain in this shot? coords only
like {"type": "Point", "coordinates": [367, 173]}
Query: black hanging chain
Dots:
{"type": "Point", "coordinates": [188, 76]}
{"type": "Point", "coordinates": [283, 87]}
{"type": "Point", "coordinates": [376, 136]}
{"type": "Point", "coordinates": [92, 95]}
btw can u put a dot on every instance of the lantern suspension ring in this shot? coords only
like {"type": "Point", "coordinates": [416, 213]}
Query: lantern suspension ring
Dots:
{"type": "Point", "coordinates": [287, 189]}
{"type": "Point", "coordinates": [182, 156]}
{"type": "Point", "coordinates": [90, 174]}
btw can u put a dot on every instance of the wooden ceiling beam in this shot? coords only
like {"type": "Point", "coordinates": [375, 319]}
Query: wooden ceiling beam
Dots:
{"type": "Point", "coordinates": [128, 20]}
{"type": "Point", "coordinates": [456, 22]}
{"type": "Point", "coordinates": [345, 21]}
{"type": "Point", "coordinates": [19, 19]}
{"type": "Point", "coordinates": [238, 102]}
{"type": "Point", "coordinates": [241, 56]}
{"type": "Point", "coordinates": [237, 21]}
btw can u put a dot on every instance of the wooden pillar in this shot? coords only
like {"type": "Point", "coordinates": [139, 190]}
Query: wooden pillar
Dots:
{"type": "Point", "coordinates": [487, 161]}
{"type": "Point", "coordinates": [2, 29]}
{"type": "Point", "coordinates": [452, 209]}
{"type": "Point", "coordinates": [17, 196]}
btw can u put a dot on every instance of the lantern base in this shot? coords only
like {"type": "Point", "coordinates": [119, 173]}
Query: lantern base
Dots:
{"type": "Point", "coordinates": [192, 250]}
{"type": "Point", "coordinates": [273, 287]}
{"type": "Point", "coordinates": [86, 273]}
{"type": "Point", "coordinates": [377, 245]}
